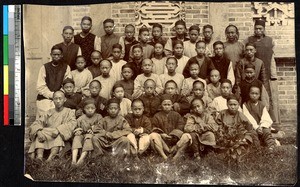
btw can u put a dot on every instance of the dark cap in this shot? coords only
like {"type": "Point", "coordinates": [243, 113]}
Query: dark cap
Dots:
{"type": "Point", "coordinates": [68, 80]}
{"type": "Point", "coordinates": [260, 22]}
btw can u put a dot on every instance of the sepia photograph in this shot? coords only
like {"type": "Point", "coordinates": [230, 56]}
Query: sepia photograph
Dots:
{"type": "Point", "coordinates": [161, 92]}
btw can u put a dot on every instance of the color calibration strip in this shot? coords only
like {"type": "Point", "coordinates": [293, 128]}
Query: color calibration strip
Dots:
{"type": "Point", "coordinates": [12, 64]}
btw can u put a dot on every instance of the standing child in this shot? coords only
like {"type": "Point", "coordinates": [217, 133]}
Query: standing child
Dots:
{"type": "Point", "coordinates": [258, 115]}
{"type": "Point", "coordinates": [110, 133]}
{"type": "Point", "coordinates": [190, 45]}
{"type": "Point", "coordinates": [198, 92]}
{"type": "Point", "coordinates": [157, 32]}
{"type": "Point", "coordinates": [117, 62]}
{"type": "Point", "coordinates": [147, 66]}
{"type": "Point", "coordinates": [180, 31]}
{"type": "Point", "coordinates": [95, 67]}
{"type": "Point", "coordinates": [171, 65]}
{"type": "Point", "coordinates": [167, 127]}
{"type": "Point", "coordinates": [106, 79]}
{"type": "Point", "coordinates": [141, 126]}
{"type": "Point", "coordinates": [81, 76]}
{"type": "Point", "coordinates": [214, 87]}
{"type": "Point", "coordinates": [125, 104]}
{"type": "Point", "coordinates": [159, 60]}
{"type": "Point", "coordinates": [83, 132]}
{"type": "Point", "coordinates": [136, 61]}
{"type": "Point", "coordinates": [208, 32]}
{"type": "Point", "coordinates": [199, 131]}
{"type": "Point", "coordinates": [178, 54]}
{"type": "Point", "coordinates": [72, 99]}
{"type": "Point", "coordinates": [127, 81]}
{"type": "Point", "coordinates": [204, 62]}
{"type": "Point", "coordinates": [150, 100]}
{"type": "Point", "coordinates": [127, 41]}
{"type": "Point", "coordinates": [187, 84]}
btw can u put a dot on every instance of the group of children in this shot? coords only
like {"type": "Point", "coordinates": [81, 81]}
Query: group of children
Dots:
{"type": "Point", "coordinates": [123, 96]}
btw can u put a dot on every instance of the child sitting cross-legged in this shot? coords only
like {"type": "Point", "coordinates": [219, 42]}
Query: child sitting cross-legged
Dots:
{"type": "Point", "coordinates": [199, 131]}
{"type": "Point", "coordinates": [198, 92]}
{"type": "Point", "coordinates": [83, 132]}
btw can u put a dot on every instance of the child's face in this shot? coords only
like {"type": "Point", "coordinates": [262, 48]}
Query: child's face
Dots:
{"type": "Point", "coordinates": [68, 88]}
{"type": "Point", "coordinates": [105, 67]}
{"type": "Point", "coordinates": [86, 26]}
{"type": "Point", "coordinates": [137, 109]}
{"type": "Point", "coordinates": [259, 30]}
{"type": "Point", "coordinates": [149, 88]}
{"type": "Point", "coordinates": [254, 94]}
{"type": "Point", "coordinates": [156, 32]}
{"type": "Point", "coordinates": [96, 58]}
{"type": "Point", "coordinates": [249, 73]}
{"type": "Point", "coordinates": [94, 89]}
{"type": "Point", "coordinates": [170, 88]}
{"type": "Point", "coordinates": [116, 52]}
{"type": "Point", "coordinates": [231, 34]}
{"type": "Point", "coordinates": [147, 66]}
{"type": "Point", "coordinates": [109, 28]}
{"type": "Point", "coordinates": [198, 90]}
{"type": "Point", "coordinates": [208, 32]}
{"type": "Point", "coordinates": [219, 50]}
{"type": "Point", "coordinates": [113, 109]}
{"type": "Point", "coordinates": [197, 107]}
{"type": "Point", "coordinates": [59, 99]}
{"type": "Point", "coordinates": [56, 55]}
{"type": "Point", "coordinates": [137, 53]}
{"type": "Point", "coordinates": [171, 65]}
{"type": "Point", "coordinates": [214, 76]}
{"type": "Point", "coordinates": [250, 51]}
{"type": "Point", "coordinates": [80, 64]}
{"type": "Point", "coordinates": [180, 29]}
{"type": "Point", "coordinates": [89, 110]}
{"type": "Point", "coordinates": [144, 36]}
{"type": "Point", "coordinates": [129, 33]}
{"type": "Point", "coordinates": [200, 48]}
{"type": "Point", "coordinates": [166, 105]}
{"type": "Point", "coordinates": [158, 49]}
{"type": "Point", "coordinates": [119, 92]}
{"type": "Point", "coordinates": [194, 34]}
{"type": "Point", "coordinates": [194, 71]}
{"type": "Point", "coordinates": [178, 50]}
{"type": "Point", "coordinates": [68, 35]}
{"type": "Point", "coordinates": [226, 89]}
{"type": "Point", "coordinates": [233, 106]}
{"type": "Point", "coordinates": [127, 73]}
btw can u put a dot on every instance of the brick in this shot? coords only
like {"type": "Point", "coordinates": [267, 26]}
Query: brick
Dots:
{"type": "Point", "coordinates": [199, 7]}
{"type": "Point", "coordinates": [281, 92]}
{"type": "Point", "coordinates": [291, 101]}
{"type": "Point", "coordinates": [127, 11]}
{"type": "Point", "coordinates": [231, 19]}
{"type": "Point", "coordinates": [200, 16]}
{"type": "Point", "coordinates": [286, 87]}
{"type": "Point", "coordinates": [290, 73]}
{"type": "Point", "coordinates": [291, 92]}
{"type": "Point", "coordinates": [282, 102]}
{"type": "Point", "coordinates": [286, 69]}
{"type": "Point", "coordinates": [204, 11]}
{"type": "Point", "coordinates": [240, 5]}
{"type": "Point", "coordinates": [283, 97]}
{"type": "Point", "coordinates": [235, 14]}
{"type": "Point", "coordinates": [192, 11]}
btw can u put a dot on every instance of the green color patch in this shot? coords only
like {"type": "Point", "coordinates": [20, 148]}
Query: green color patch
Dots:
{"type": "Point", "coordinates": [5, 50]}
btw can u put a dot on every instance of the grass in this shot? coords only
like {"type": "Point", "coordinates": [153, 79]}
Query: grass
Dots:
{"type": "Point", "coordinates": [259, 167]}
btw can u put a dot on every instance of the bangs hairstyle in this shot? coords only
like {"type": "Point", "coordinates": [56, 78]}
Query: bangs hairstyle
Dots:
{"type": "Point", "coordinates": [143, 29]}
{"type": "Point", "coordinates": [175, 42]}
{"type": "Point", "coordinates": [180, 22]}
{"type": "Point", "coordinates": [250, 65]}
{"type": "Point", "coordinates": [117, 45]}
{"type": "Point", "coordinates": [200, 41]}
{"type": "Point", "coordinates": [96, 81]}
{"type": "Point", "coordinates": [118, 85]}
{"type": "Point", "coordinates": [198, 82]}
{"type": "Point", "coordinates": [80, 56]}
{"type": "Point", "coordinates": [226, 81]}
{"type": "Point", "coordinates": [86, 18]}
{"type": "Point", "coordinates": [171, 81]}
{"type": "Point", "coordinates": [218, 43]}
{"type": "Point", "coordinates": [250, 44]}
{"type": "Point", "coordinates": [172, 57]}
{"type": "Point", "coordinates": [232, 97]}
{"type": "Point", "coordinates": [108, 21]}
{"type": "Point", "coordinates": [157, 25]}
{"type": "Point", "coordinates": [137, 46]}
{"type": "Point", "coordinates": [195, 99]}
{"type": "Point", "coordinates": [127, 66]}
{"type": "Point", "coordinates": [56, 47]}
{"type": "Point", "coordinates": [68, 27]}
{"type": "Point", "coordinates": [208, 26]}
{"type": "Point", "coordinates": [194, 27]}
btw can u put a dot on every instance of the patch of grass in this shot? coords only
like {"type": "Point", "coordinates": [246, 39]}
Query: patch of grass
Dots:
{"type": "Point", "coordinates": [259, 167]}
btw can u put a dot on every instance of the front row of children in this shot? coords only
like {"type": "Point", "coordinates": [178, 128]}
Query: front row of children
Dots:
{"type": "Point", "coordinates": [154, 122]}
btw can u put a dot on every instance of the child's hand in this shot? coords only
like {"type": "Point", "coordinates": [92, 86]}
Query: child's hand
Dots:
{"type": "Point", "coordinates": [176, 107]}
{"type": "Point", "coordinates": [137, 131]}
{"type": "Point", "coordinates": [90, 131]}
{"type": "Point", "coordinates": [41, 137]}
{"type": "Point", "coordinates": [78, 133]}
{"type": "Point", "coordinates": [78, 112]}
{"type": "Point", "coordinates": [55, 133]}
{"type": "Point", "coordinates": [165, 136]}
{"type": "Point", "coordinates": [259, 131]}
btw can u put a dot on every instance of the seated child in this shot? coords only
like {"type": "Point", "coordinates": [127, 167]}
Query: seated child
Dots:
{"type": "Point", "coordinates": [117, 62]}
{"type": "Point", "coordinates": [158, 59]}
{"type": "Point", "coordinates": [199, 131]}
{"type": "Point", "coordinates": [190, 45]}
{"type": "Point", "coordinates": [147, 66]}
{"type": "Point", "coordinates": [150, 100]}
{"type": "Point", "coordinates": [178, 54]}
{"type": "Point", "coordinates": [141, 126]}
{"type": "Point", "coordinates": [171, 65]}
{"type": "Point", "coordinates": [110, 133]}
{"type": "Point", "coordinates": [127, 81]}
{"type": "Point", "coordinates": [50, 131]}
{"type": "Point", "coordinates": [187, 84]}
{"type": "Point", "coordinates": [157, 32]}
{"type": "Point", "coordinates": [81, 76]}
{"type": "Point", "coordinates": [125, 104]}
{"type": "Point", "coordinates": [258, 115]}
{"type": "Point", "coordinates": [127, 41]}
{"type": "Point", "coordinates": [106, 79]}
{"type": "Point", "coordinates": [83, 132]}
{"type": "Point", "coordinates": [198, 92]}
{"type": "Point", "coordinates": [214, 87]}
{"type": "Point", "coordinates": [180, 103]}
{"type": "Point", "coordinates": [136, 60]}
{"type": "Point", "coordinates": [250, 81]}
{"type": "Point", "coordinates": [72, 98]}
{"type": "Point", "coordinates": [231, 120]}
{"type": "Point", "coordinates": [167, 127]}
{"type": "Point", "coordinates": [100, 102]}
{"type": "Point", "coordinates": [95, 67]}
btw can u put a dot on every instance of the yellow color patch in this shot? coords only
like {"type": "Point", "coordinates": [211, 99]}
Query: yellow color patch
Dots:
{"type": "Point", "coordinates": [5, 80]}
